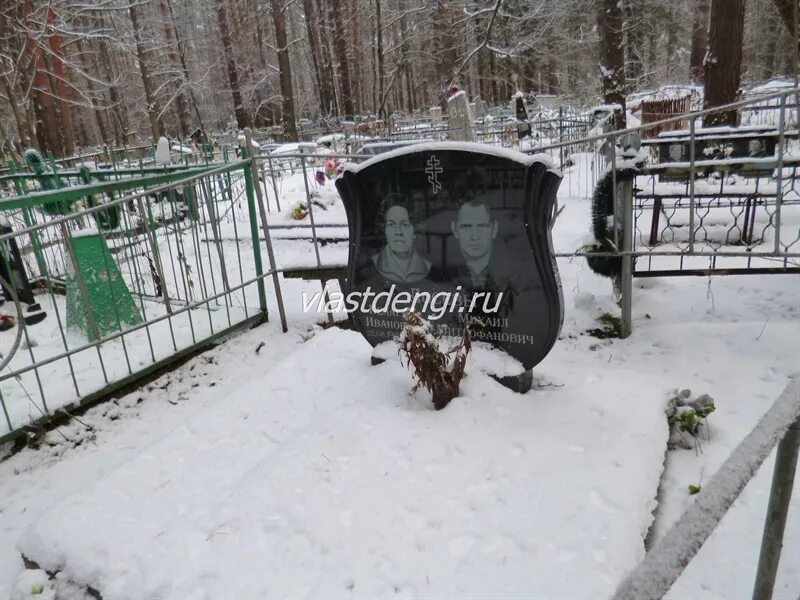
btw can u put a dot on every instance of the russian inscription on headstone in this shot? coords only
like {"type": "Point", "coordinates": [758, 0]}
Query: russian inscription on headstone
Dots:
{"type": "Point", "coordinates": [459, 119]}
{"type": "Point", "coordinates": [459, 230]}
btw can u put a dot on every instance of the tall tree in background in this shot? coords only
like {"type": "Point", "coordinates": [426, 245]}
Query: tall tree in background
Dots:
{"type": "Point", "coordinates": [144, 70]}
{"type": "Point", "coordinates": [230, 61]}
{"type": "Point", "coordinates": [699, 39]}
{"type": "Point", "coordinates": [380, 75]}
{"type": "Point", "coordinates": [723, 64]}
{"type": "Point", "coordinates": [118, 68]}
{"type": "Point", "coordinates": [343, 61]}
{"type": "Point", "coordinates": [790, 15]}
{"type": "Point", "coordinates": [287, 93]}
{"type": "Point", "coordinates": [612, 57]}
{"type": "Point", "coordinates": [181, 105]}
{"type": "Point", "coordinates": [315, 43]}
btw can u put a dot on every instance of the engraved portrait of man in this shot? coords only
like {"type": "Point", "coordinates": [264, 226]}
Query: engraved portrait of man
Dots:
{"type": "Point", "coordinates": [675, 152]}
{"type": "Point", "coordinates": [475, 230]}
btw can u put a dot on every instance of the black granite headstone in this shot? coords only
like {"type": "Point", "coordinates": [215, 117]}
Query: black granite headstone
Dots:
{"type": "Point", "coordinates": [467, 226]}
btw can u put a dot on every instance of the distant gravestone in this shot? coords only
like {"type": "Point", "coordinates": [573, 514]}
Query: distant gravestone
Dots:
{"type": "Point", "coordinates": [469, 226]}
{"type": "Point", "coordinates": [459, 119]}
{"type": "Point", "coordinates": [162, 151]}
{"type": "Point", "coordinates": [521, 114]}
{"type": "Point", "coordinates": [436, 116]}
{"type": "Point", "coordinates": [479, 109]}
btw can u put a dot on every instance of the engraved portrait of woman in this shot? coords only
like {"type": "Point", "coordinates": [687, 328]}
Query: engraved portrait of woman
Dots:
{"type": "Point", "coordinates": [399, 260]}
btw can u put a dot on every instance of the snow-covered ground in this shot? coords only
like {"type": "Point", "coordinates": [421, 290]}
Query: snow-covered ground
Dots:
{"type": "Point", "coordinates": [293, 468]}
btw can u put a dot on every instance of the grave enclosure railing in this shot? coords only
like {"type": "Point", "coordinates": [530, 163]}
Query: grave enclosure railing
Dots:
{"type": "Point", "coordinates": [713, 211]}
{"type": "Point", "coordinates": [133, 274]}
{"type": "Point", "coordinates": [187, 246]}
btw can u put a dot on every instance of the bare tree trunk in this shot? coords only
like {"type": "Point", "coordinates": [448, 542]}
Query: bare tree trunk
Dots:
{"type": "Point", "coordinates": [184, 67]}
{"type": "Point", "coordinates": [233, 73]}
{"type": "Point", "coordinates": [354, 59]}
{"type": "Point", "coordinates": [634, 45]}
{"type": "Point", "coordinates": [144, 70]}
{"type": "Point", "coordinates": [770, 48]}
{"type": "Point", "coordinates": [343, 63]}
{"type": "Point", "coordinates": [46, 123]}
{"type": "Point", "coordinates": [58, 84]}
{"type": "Point", "coordinates": [317, 58]}
{"type": "Point", "coordinates": [326, 63]}
{"type": "Point", "coordinates": [381, 75]}
{"type": "Point", "coordinates": [281, 43]}
{"type": "Point", "coordinates": [493, 78]}
{"type": "Point", "coordinates": [699, 39]}
{"type": "Point", "coordinates": [19, 114]}
{"type": "Point", "coordinates": [118, 112]}
{"type": "Point", "coordinates": [181, 106]}
{"type": "Point", "coordinates": [612, 57]}
{"type": "Point", "coordinates": [259, 34]}
{"type": "Point", "coordinates": [724, 59]}
{"type": "Point", "coordinates": [790, 14]}
{"type": "Point", "coordinates": [86, 65]}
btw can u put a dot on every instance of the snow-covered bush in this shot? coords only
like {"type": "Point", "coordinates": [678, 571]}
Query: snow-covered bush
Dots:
{"type": "Point", "coordinates": [437, 371]}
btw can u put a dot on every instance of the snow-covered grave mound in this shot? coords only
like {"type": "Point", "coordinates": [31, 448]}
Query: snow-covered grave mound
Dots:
{"type": "Point", "coordinates": [325, 477]}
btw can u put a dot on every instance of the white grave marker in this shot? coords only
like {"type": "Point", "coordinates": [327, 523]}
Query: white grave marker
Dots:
{"type": "Point", "coordinates": [162, 151]}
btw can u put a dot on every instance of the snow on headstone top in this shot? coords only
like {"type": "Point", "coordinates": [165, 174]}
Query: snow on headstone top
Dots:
{"type": "Point", "coordinates": [406, 148]}
{"type": "Point", "coordinates": [162, 151]}
{"type": "Point", "coordinates": [307, 147]}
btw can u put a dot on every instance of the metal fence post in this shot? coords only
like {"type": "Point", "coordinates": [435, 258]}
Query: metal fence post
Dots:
{"type": "Point", "coordinates": [779, 496]}
{"type": "Point", "coordinates": [310, 206]}
{"type": "Point", "coordinates": [30, 221]}
{"type": "Point", "coordinates": [561, 137]}
{"type": "Point", "coordinates": [251, 210]}
{"type": "Point", "coordinates": [626, 285]}
{"type": "Point", "coordinates": [273, 267]}
{"type": "Point", "coordinates": [274, 185]}
{"type": "Point", "coordinates": [779, 177]}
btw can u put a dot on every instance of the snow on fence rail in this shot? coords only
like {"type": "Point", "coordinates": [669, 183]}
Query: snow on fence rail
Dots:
{"type": "Point", "coordinates": [132, 274]}
{"type": "Point", "coordinates": [663, 565]}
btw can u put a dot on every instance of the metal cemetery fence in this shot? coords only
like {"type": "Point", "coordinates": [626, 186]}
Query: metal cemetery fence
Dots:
{"type": "Point", "coordinates": [132, 274]}
{"type": "Point", "coordinates": [146, 266]}
{"type": "Point", "coordinates": [710, 208]}
{"type": "Point", "coordinates": [665, 562]}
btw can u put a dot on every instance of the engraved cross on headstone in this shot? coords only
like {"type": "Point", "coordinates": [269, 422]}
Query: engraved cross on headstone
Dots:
{"type": "Point", "coordinates": [433, 169]}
